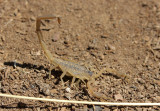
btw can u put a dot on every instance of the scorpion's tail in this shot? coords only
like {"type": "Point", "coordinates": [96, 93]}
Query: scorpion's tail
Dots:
{"type": "Point", "coordinates": [40, 36]}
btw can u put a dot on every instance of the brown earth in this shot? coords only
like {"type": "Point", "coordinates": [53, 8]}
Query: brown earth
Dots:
{"type": "Point", "coordinates": [119, 34]}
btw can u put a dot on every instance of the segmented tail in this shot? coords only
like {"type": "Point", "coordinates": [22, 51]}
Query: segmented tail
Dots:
{"type": "Point", "coordinates": [40, 36]}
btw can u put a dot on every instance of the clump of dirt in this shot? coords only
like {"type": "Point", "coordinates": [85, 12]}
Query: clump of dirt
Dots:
{"type": "Point", "coordinates": [121, 35]}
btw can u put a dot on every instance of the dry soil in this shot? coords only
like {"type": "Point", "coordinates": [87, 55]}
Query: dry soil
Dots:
{"type": "Point", "coordinates": [123, 35]}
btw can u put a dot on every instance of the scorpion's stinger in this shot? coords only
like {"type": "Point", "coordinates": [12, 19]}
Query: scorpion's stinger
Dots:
{"type": "Point", "coordinates": [38, 23]}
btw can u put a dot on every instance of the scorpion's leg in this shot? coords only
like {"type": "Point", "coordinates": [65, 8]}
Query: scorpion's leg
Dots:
{"type": "Point", "coordinates": [83, 81]}
{"type": "Point", "coordinates": [95, 94]}
{"type": "Point", "coordinates": [61, 77]}
{"type": "Point", "coordinates": [92, 79]}
{"type": "Point", "coordinates": [73, 80]}
{"type": "Point", "coordinates": [78, 81]}
{"type": "Point", "coordinates": [50, 70]}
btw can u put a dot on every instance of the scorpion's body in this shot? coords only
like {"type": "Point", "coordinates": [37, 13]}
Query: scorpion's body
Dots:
{"type": "Point", "coordinates": [78, 71]}
{"type": "Point", "coordinates": [67, 67]}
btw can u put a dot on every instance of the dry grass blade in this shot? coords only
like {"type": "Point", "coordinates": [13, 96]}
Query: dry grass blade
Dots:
{"type": "Point", "coordinates": [81, 102]}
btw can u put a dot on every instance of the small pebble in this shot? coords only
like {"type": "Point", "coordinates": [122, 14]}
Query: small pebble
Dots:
{"type": "Point", "coordinates": [38, 53]}
{"type": "Point", "coordinates": [56, 37]}
{"type": "Point", "coordinates": [14, 64]}
{"type": "Point", "coordinates": [3, 38]}
{"type": "Point", "coordinates": [43, 88]}
{"type": "Point", "coordinates": [68, 95]}
{"type": "Point", "coordinates": [140, 80]}
{"type": "Point", "coordinates": [101, 56]}
{"type": "Point", "coordinates": [1, 52]}
{"type": "Point", "coordinates": [118, 97]}
{"type": "Point", "coordinates": [103, 36]}
{"type": "Point", "coordinates": [68, 90]}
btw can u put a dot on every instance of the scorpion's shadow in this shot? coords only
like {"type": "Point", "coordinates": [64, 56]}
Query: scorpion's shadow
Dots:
{"type": "Point", "coordinates": [25, 65]}
{"type": "Point", "coordinates": [33, 66]}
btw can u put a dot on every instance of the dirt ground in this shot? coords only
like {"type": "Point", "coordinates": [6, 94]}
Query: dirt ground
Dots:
{"type": "Point", "coordinates": [123, 35]}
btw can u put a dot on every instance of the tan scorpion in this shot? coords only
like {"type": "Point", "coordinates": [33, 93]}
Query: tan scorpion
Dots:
{"type": "Point", "coordinates": [71, 68]}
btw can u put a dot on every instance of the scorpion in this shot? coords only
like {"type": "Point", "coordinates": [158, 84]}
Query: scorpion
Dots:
{"type": "Point", "coordinates": [70, 68]}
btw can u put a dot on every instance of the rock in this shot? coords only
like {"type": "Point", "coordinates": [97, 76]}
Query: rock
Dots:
{"type": "Point", "coordinates": [56, 37]}
{"type": "Point", "coordinates": [43, 88]}
{"type": "Point", "coordinates": [68, 90]}
{"type": "Point", "coordinates": [68, 95]}
{"type": "Point", "coordinates": [118, 97]}
{"type": "Point", "coordinates": [140, 80]}
{"type": "Point", "coordinates": [158, 98]}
